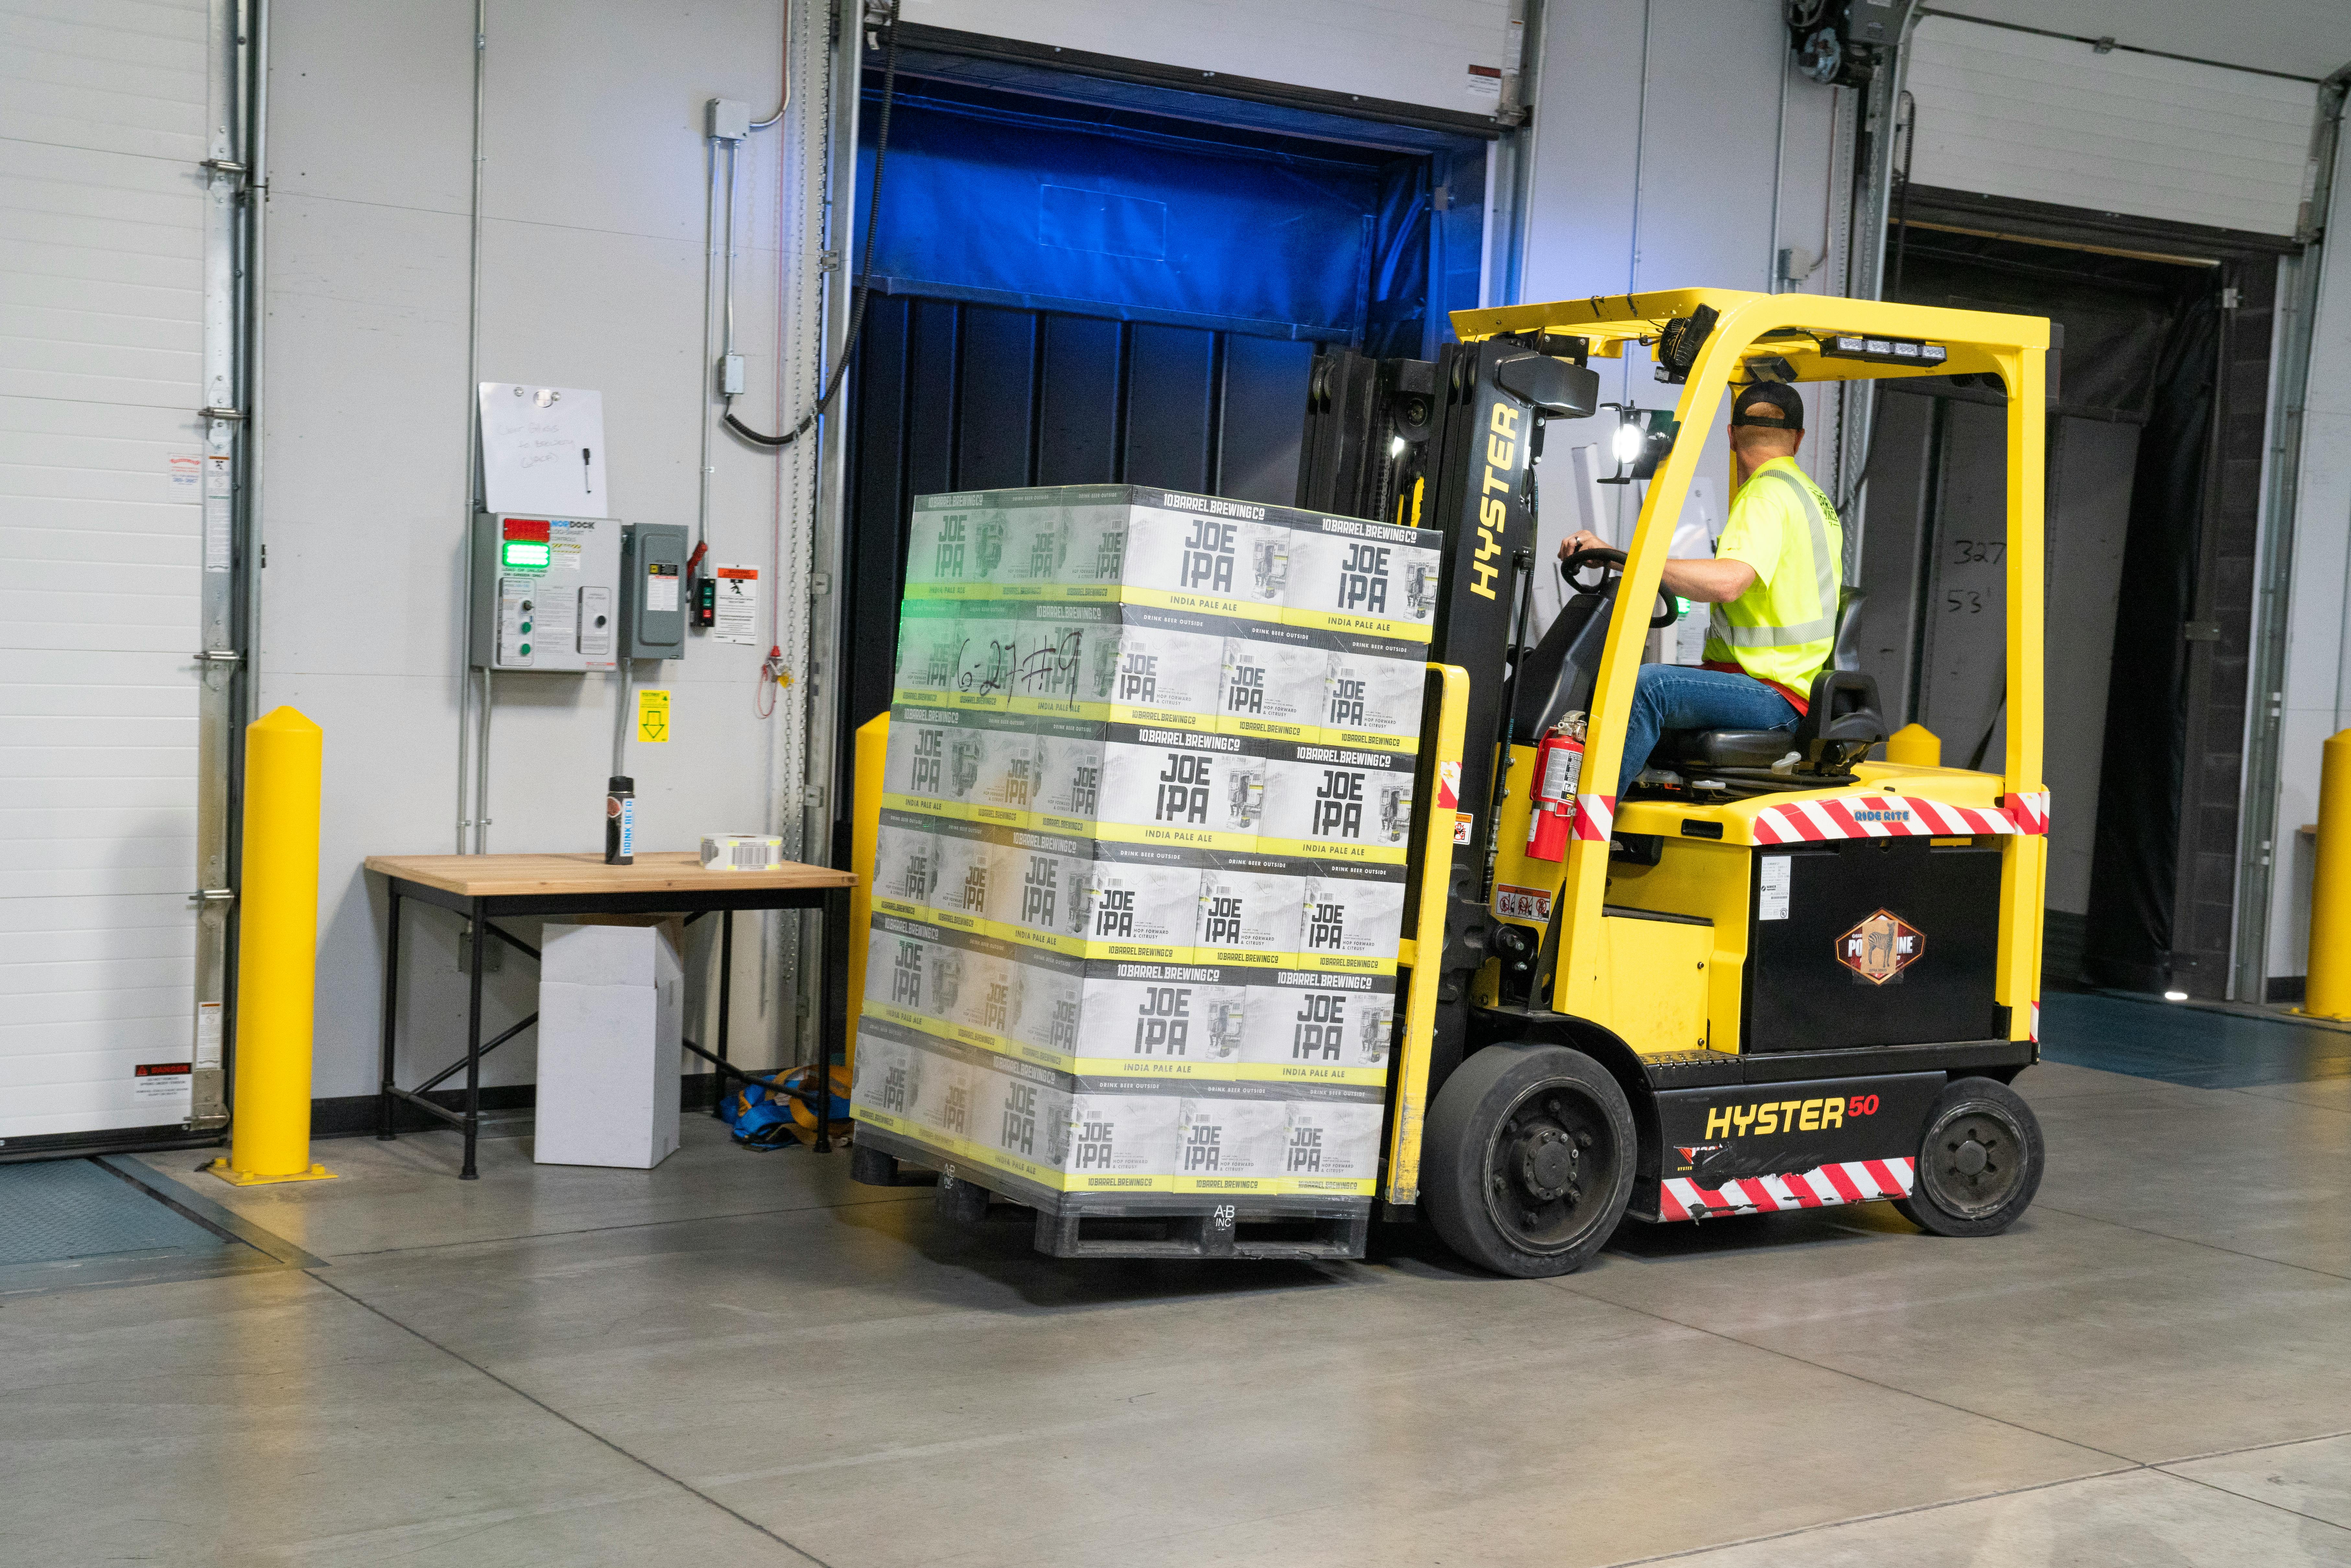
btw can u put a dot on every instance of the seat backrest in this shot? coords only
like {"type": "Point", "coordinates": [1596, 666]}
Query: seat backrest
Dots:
{"type": "Point", "coordinates": [1845, 653]}
{"type": "Point", "coordinates": [1842, 722]}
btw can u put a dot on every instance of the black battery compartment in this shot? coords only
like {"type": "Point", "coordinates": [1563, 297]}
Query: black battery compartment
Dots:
{"type": "Point", "coordinates": [1800, 996]}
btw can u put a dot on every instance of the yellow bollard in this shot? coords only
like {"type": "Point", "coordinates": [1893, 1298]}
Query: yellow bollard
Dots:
{"type": "Point", "coordinates": [1914, 745]}
{"type": "Point", "coordinates": [276, 954]}
{"type": "Point", "coordinates": [2328, 994]}
{"type": "Point", "coordinates": [864, 842]}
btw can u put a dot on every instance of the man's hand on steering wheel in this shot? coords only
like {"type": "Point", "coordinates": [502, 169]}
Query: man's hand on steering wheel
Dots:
{"type": "Point", "coordinates": [1585, 548]}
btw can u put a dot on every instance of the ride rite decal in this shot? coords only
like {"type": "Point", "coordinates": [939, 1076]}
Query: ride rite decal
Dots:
{"type": "Point", "coordinates": [1501, 478]}
{"type": "Point", "coordinates": [1879, 948]}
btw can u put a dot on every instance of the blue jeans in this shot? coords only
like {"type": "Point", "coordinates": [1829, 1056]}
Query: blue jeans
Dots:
{"type": "Point", "coordinates": [1676, 696]}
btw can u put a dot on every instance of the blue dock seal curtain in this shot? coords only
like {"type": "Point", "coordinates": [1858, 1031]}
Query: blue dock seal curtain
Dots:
{"type": "Point", "coordinates": [1007, 199]}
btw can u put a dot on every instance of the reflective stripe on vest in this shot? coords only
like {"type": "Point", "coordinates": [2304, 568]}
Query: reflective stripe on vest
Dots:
{"type": "Point", "coordinates": [1825, 574]}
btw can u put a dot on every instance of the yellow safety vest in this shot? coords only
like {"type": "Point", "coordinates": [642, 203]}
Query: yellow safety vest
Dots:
{"type": "Point", "coordinates": [1784, 628]}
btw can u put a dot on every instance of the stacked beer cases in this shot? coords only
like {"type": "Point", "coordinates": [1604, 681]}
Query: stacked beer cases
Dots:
{"type": "Point", "coordinates": [1141, 871]}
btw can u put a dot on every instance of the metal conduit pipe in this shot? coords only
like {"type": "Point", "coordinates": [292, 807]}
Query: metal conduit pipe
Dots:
{"type": "Point", "coordinates": [256, 204]}
{"type": "Point", "coordinates": [709, 262]}
{"type": "Point", "coordinates": [1867, 257]}
{"type": "Point", "coordinates": [476, 779]}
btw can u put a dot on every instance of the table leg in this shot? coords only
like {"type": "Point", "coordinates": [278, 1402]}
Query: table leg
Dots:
{"type": "Point", "coordinates": [836, 928]}
{"type": "Point", "coordinates": [386, 1107]}
{"type": "Point", "coordinates": [473, 1043]}
{"type": "Point", "coordinates": [725, 993]}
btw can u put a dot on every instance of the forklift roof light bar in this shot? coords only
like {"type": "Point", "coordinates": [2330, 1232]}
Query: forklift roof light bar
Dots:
{"type": "Point", "coordinates": [1952, 342]}
{"type": "Point", "coordinates": [1881, 351]}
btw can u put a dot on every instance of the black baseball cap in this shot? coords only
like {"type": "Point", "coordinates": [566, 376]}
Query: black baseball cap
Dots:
{"type": "Point", "coordinates": [1779, 395]}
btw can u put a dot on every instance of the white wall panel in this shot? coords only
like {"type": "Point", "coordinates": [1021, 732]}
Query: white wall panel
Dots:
{"type": "Point", "coordinates": [2008, 113]}
{"type": "Point", "coordinates": [1409, 51]}
{"type": "Point", "coordinates": [592, 277]}
{"type": "Point", "coordinates": [2299, 38]}
{"type": "Point", "coordinates": [2316, 702]}
{"type": "Point", "coordinates": [102, 122]}
{"type": "Point", "coordinates": [110, 76]}
{"type": "Point", "coordinates": [1659, 147]}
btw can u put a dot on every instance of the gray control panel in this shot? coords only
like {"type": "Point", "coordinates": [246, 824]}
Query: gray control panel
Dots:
{"type": "Point", "coordinates": [653, 591]}
{"type": "Point", "coordinates": [547, 592]}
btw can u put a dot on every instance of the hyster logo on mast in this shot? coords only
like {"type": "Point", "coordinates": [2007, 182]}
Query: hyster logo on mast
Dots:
{"type": "Point", "coordinates": [1881, 948]}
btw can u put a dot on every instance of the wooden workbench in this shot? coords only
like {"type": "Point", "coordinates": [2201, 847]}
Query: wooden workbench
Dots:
{"type": "Point", "coordinates": [482, 887]}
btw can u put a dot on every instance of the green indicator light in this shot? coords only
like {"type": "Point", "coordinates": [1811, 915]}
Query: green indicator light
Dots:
{"type": "Point", "coordinates": [525, 553]}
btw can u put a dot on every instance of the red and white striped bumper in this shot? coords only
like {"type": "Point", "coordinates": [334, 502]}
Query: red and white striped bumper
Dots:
{"type": "Point", "coordinates": [1824, 1186]}
{"type": "Point", "coordinates": [1894, 817]}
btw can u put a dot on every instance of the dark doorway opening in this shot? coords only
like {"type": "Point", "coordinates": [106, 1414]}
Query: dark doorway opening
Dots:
{"type": "Point", "coordinates": [1085, 279]}
{"type": "Point", "coordinates": [1124, 289]}
{"type": "Point", "coordinates": [2154, 449]}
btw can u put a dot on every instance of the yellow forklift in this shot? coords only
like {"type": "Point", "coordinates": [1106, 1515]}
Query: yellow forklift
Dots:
{"type": "Point", "coordinates": [1776, 975]}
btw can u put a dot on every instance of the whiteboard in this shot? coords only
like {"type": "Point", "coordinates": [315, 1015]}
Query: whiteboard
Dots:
{"type": "Point", "coordinates": [543, 450]}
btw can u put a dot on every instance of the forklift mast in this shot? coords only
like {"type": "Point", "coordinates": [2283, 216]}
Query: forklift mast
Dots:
{"type": "Point", "coordinates": [1450, 444]}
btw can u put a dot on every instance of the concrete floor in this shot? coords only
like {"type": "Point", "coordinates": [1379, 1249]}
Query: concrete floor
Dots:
{"type": "Point", "coordinates": [746, 1359]}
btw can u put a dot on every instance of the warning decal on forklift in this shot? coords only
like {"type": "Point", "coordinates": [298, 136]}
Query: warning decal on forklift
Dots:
{"type": "Point", "coordinates": [1463, 826]}
{"type": "Point", "coordinates": [1448, 785]}
{"type": "Point", "coordinates": [1824, 1186]}
{"type": "Point", "coordinates": [1521, 903]}
{"type": "Point", "coordinates": [1880, 948]}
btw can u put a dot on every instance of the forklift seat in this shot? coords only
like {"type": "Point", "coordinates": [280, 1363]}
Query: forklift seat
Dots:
{"type": "Point", "coordinates": [1841, 727]}
{"type": "Point", "coordinates": [1837, 731]}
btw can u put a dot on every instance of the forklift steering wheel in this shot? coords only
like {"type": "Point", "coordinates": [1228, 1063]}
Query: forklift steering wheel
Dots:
{"type": "Point", "coordinates": [1668, 611]}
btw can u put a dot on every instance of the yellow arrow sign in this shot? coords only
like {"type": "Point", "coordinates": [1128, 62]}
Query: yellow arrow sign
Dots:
{"type": "Point", "coordinates": [653, 715]}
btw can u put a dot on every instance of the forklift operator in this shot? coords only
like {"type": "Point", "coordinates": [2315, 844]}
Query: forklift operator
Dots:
{"type": "Point", "coordinates": [1772, 583]}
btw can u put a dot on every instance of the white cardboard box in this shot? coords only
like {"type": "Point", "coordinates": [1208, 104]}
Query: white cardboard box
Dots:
{"type": "Point", "coordinates": [611, 999]}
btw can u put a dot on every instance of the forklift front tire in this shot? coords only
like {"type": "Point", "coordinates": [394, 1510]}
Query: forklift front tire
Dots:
{"type": "Point", "coordinates": [1528, 1159]}
{"type": "Point", "coordinates": [1980, 1160]}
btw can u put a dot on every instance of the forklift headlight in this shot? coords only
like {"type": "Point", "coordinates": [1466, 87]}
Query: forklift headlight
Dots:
{"type": "Point", "coordinates": [1644, 436]}
{"type": "Point", "coordinates": [1631, 436]}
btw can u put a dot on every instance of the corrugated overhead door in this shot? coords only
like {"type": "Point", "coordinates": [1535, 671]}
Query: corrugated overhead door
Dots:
{"type": "Point", "coordinates": [2003, 112]}
{"type": "Point", "coordinates": [105, 119]}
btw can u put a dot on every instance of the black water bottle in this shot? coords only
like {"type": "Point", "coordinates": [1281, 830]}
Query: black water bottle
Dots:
{"type": "Point", "coordinates": [621, 821]}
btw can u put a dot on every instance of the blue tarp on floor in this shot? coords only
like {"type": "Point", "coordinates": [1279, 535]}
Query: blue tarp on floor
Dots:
{"type": "Point", "coordinates": [2197, 1046]}
{"type": "Point", "coordinates": [56, 1210]}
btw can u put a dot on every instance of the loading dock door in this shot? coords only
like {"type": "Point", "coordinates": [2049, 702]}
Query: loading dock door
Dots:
{"type": "Point", "coordinates": [104, 216]}
{"type": "Point", "coordinates": [2006, 112]}
{"type": "Point", "coordinates": [1071, 293]}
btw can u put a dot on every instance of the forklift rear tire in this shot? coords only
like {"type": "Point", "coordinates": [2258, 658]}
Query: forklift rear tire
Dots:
{"type": "Point", "coordinates": [1528, 1161]}
{"type": "Point", "coordinates": [1980, 1160]}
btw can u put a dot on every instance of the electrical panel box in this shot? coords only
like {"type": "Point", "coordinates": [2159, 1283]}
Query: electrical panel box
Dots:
{"type": "Point", "coordinates": [547, 592]}
{"type": "Point", "coordinates": [653, 591]}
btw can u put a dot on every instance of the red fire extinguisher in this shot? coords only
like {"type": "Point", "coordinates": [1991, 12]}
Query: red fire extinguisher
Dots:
{"type": "Point", "coordinates": [1559, 765]}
